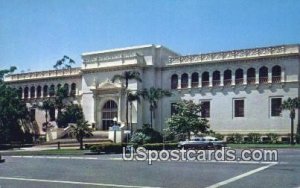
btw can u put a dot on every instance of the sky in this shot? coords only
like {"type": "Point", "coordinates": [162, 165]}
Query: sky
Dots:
{"type": "Point", "coordinates": [34, 34]}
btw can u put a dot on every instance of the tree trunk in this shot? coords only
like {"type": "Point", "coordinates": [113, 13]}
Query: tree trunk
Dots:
{"type": "Point", "coordinates": [131, 117]}
{"type": "Point", "coordinates": [126, 86]}
{"type": "Point", "coordinates": [151, 114]}
{"type": "Point", "coordinates": [292, 131]}
{"type": "Point", "coordinates": [189, 135]}
{"type": "Point", "coordinates": [46, 116]}
{"type": "Point", "coordinates": [81, 143]}
{"type": "Point", "coordinates": [127, 104]}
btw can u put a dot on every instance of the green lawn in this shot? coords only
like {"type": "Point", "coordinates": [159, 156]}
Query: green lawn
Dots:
{"type": "Point", "coordinates": [249, 146]}
{"type": "Point", "coordinates": [47, 152]}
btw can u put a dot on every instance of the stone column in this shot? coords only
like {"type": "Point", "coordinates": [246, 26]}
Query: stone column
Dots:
{"type": "Point", "coordinates": [200, 80]}
{"type": "Point", "coordinates": [42, 92]}
{"type": "Point", "coordinates": [29, 92]}
{"type": "Point", "coordinates": [256, 77]}
{"type": "Point", "coordinates": [179, 82]}
{"type": "Point", "coordinates": [233, 78]}
{"type": "Point", "coordinates": [222, 79]}
{"type": "Point", "coordinates": [245, 77]}
{"type": "Point", "coordinates": [120, 106]}
{"type": "Point", "coordinates": [35, 92]}
{"type": "Point", "coordinates": [282, 75]}
{"type": "Point", "coordinates": [23, 93]}
{"type": "Point", "coordinates": [210, 80]}
{"type": "Point", "coordinates": [270, 77]}
{"type": "Point", "coordinates": [189, 81]}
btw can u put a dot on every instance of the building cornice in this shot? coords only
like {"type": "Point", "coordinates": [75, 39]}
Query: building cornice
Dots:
{"type": "Point", "coordinates": [113, 68]}
{"type": "Point", "coordinates": [42, 75]}
{"type": "Point", "coordinates": [235, 55]}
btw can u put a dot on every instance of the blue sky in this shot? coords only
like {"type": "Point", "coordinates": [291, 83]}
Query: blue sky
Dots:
{"type": "Point", "coordinates": [34, 34]}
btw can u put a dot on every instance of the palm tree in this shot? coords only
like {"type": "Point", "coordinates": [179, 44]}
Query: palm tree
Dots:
{"type": "Point", "coordinates": [64, 63]}
{"type": "Point", "coordinates": [59, 101]}
{"type": "Point", "coordinates": [80, 130]}
{"type": "Point", "coordinates": [131, 98]}
{"type": "Point", "coordinates": [153, 95]}
{"type": "Point", "coordinates": [46, 106]}
{"type": "Point", "coordinates": [291, 105]}
{"type": "Point", "coordinates": [126, 76]}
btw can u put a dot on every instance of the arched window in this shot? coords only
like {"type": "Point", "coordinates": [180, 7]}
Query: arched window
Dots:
{"type": "Point", "coordinates": [195, 80]}
{"type": "Point", "coordinates": [205, 79]}
{"type": "Point", "coordinates": [26, 90]}
{"type": "Point", "coordinates": [66, 89]}
{"type": "Point", "coordinates": [109, 112]}
{"type": "Point", "coordinates": [58, 86]}
{"type": "Point", "coordinates": [184, 80]}
{"type": "Point", "coordinates": [45, 91]}
{"type": "Point", "coordinates": [73, 89]}
{"type": "Point", "coordinates": [32, 92]}
{"type": "Point", "coordinates": [216, 78]}
{"type": "Point", "coordinates": [276, 74]}
{"type": "Point", "coordinates": [227, 77]}
{"type": "Point", "coordinates": [251, 76]}
{"type": "Point", "coordinates": [52, 90]}
{"type": "Point", "coordinates": [38, 91]}
{"type": "Point", "coordinates": [20, 92]}
{"type": "Point", "coordinates": [263, 75]}
{"type": "Point", "coordinates": [239, 76]}
{"type": "Point", "coordinates": [174, 81]}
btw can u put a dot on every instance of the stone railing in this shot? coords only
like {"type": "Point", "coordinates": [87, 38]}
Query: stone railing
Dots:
{"type": "Point", "coordinates": [119, 59]}
{"type": "Point", "coordinates": [42, 74]}
{"type": "Point", "coordinates": [236, 54]}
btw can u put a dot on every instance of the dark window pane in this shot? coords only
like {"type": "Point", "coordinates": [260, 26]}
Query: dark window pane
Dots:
{"type": "Point", "coordinates": [173, 109]}
{"type": "Point", "coordinates": [276, 106]}
{"type": "Point", "coordinates": [205, 109]}
{"type": "Point", "coordinates": [239, 108]}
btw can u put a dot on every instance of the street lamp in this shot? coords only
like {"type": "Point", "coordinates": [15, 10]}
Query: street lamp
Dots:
{"type": "Point", "coordinates": [114, 127]}
{"type": "Point", "coordinates": [115, 120]}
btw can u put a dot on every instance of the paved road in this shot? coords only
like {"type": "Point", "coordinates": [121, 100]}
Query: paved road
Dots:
{"type": "Point", "coordinates": [111, 171]}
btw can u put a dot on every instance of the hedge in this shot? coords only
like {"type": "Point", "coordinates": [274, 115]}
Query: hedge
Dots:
{"type": "Point", "coordinates": [107, 148]}
{"type": "Point", "coordinates": [161, 146]}
{"type": "Point", "coordinates": [118, 148]}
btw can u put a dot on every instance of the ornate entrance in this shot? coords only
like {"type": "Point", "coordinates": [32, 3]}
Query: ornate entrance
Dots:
{"type": "Point", "coordinates": [109, 111]}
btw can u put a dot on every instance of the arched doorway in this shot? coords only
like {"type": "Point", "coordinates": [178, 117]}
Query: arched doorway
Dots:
{"type": "Point", "coordinates": [109, 111]}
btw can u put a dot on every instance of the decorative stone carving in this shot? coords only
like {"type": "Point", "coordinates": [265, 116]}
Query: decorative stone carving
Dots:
{"type": "Point", "coordinates": [108, 84]}
{"type": "Point", "coordinates": [235, 54]}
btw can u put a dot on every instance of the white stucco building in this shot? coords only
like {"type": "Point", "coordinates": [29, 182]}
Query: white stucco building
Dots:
{"type": "Point", "coordinates": [241, 89]}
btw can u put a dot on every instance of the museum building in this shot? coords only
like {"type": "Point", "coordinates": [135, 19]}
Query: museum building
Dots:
{"type": "Point", "coordinates": [241, 90]}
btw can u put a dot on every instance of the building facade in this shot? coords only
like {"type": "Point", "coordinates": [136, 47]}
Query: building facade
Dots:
{"type": "Point", "coordinates": [241, 90]}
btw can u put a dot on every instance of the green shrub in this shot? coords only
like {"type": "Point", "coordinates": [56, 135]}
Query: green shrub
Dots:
{"type": "Point", "coordinates": [272, 138]}
{"type": "Point", "coordinates": [107, 148]}
{"type": "Point", "coordinates": [140, 138]}
{"type": "Point", "coordinates": [235, 138]}
{"type": "Point", "coordinates": [298, 138]}
{"type": "Point", "coordinates": [218, 136]}
{"type": "Point", "coordinates": [254, 138]}
{"type": "Point", "coordinates": [161, 146]}
{"type": "Point", "coordinates": [146, 135]}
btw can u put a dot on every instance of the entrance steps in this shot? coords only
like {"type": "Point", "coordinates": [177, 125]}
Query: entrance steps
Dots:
{"type": "Point", "coordinates": [97, 138]}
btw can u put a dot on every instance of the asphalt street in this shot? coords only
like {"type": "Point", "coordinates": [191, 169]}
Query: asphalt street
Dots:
{"type": "Point", "coordinates": [112, 171]}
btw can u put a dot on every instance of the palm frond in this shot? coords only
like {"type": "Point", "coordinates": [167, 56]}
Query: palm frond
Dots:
{"type": "Point", "coordinates": [118, 77]}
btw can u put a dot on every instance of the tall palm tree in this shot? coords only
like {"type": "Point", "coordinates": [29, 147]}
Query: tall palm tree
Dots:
{"type": "Point", "coordinates": [80, 130]}
{"type": "Point", "coordinates": [125, 77]}
{"type": "Point", "coordinates": [153, 95]}
{"type": "Point", "coordinates": [46, 106]}
{"type": "Point", "coordinates": [131, 98]}
{"type": "Point", "coordinates": [291, 105]}
{"type": "Point", "coordinates": [60, 103]}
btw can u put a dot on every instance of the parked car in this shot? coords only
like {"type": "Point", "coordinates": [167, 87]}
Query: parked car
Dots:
{"type": "Point", "coordinates": [1, 160]}
{"type": "Point", "coordinates": [206, 142]}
